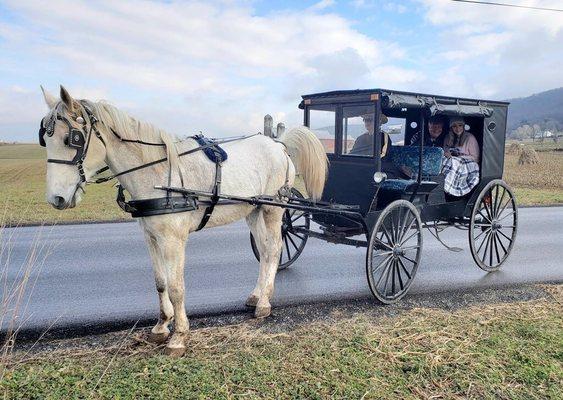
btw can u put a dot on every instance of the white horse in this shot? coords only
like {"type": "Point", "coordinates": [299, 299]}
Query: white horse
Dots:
{"type": "Point", "coordinates": [256, 166]}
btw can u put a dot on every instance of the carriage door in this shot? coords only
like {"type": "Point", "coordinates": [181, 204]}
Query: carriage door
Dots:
{"type": "Point", "coordinates": [350, 146]}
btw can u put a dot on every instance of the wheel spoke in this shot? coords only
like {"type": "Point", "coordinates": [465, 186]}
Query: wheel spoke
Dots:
{"type": "Point", "coordinates": [389, 237]}
{"type": "Point", "coordinates": [494, 200]}
{"type": "Point", "coordinates": [502, 245]}
{"type": "Point", "coordinates": [399, 276]}
{"type": "Point", "coordinates": [382, 263]}
{"type": "Point", "coordinates": [389, 270]}
{"type": "Point", "coordinates": [486, 205]}
{"type": "Point", "coordinates": [410, 247]}
{"type": "Point", "coordinates": [292, 242]}
{"type": "Point", "coordinates": [378, 241]}
{"type": "Point", "coordinates": [500, 202]}
{"type": "Point", "coordinates": [491, 249]}
{"type": "Point", "coordinates": [299, 236]}
{"type": "Point", "coordinates": [393, 276]}
{"type": "Point", "coordinates": [405, 257]}
{"type": "Point", "coordinates": [507, 215]}
{"type": "Point", "coordinates": [483, 241]}
{"type": "Point", "coordinates": [404, 231]}
{"type": "Point", "coordinates": [287, 248]}
{"type": "Point", "coordinates": [480, 213]}
{"type": "Point", "coordinates": [479, 235]}
{"type": "Point", "coordinates": [508, 201]}
{"type": "Point", "coordinates": [403, 227]}
{"type": "Point", "coordinates": [394, 230]}
{"type": "Point", "coordinates": [502, 233]}
{"type": "Point", "coordinates": [496, 247]}
{"type": "Point", "coordinates": [386, 269]}
{"type": "Point", "coordinates": [404, 268]}
{"type": "Point", "coordinates": [409, 238]}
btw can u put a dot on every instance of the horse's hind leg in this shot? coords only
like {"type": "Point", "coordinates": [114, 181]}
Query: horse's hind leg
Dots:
{"type": "Point", "coordinates": [265, 225]}
{"type": "Point", "coordinates": [160, 332]}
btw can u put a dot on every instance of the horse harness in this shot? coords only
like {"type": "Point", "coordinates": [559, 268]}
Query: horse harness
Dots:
{"type": "Point", "coordinates": [79, 140]}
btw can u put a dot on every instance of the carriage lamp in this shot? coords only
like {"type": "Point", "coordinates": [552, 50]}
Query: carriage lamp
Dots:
{"type": "Point", "coordinates": [379, 177]}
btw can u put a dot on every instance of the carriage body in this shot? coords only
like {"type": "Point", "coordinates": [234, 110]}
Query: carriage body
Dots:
{"type": "Point", "coordinates": [332, 114]}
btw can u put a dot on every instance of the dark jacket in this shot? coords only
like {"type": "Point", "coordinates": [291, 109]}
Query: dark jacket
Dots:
{"type": "Point", "coordinates": [439, 142]}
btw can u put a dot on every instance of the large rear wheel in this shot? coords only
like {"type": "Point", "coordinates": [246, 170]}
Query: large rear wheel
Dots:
{"type": "Point", "coordinates": [295, 225]}
{"type": "Point", "coordinates": [493, 226]}
{"type": "Point", "coordinates": [394, 250]}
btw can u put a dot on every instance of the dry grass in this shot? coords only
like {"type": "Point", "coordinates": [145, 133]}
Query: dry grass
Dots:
{"type": "Point", "coordinates": [506, 351]}
{"type": "Point", "coordinates": [546, 174]}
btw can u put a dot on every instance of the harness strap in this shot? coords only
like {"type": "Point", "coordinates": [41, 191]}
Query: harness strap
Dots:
{"type": "Point", "coordinates": [150, 164]}
{"type": "Point", "coordinates": [214, 199]}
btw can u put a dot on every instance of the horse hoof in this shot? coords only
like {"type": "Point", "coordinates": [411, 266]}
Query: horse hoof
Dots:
{"type": "Point", "coordinates": [158, 338]}
{"type": "Point", "coordinates": [252, 301]}
{"type": "Point", "coordinates": [262, 312]}
{"type": "Point", "coordinates": [174, 352]}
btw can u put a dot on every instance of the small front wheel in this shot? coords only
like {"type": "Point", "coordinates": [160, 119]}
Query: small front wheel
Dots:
{"type": "Point", "coordinates": [394, 250]}
{"type": "Point", "coordinates": [295, 225]}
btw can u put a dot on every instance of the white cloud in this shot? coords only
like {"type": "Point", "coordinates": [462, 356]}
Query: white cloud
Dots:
{"type": "Point", "coordinates": [321, 5]}
{"type": "Point", "coordinates": [497, 51]}
{"type": "Point", "coordinates": [196, 56]}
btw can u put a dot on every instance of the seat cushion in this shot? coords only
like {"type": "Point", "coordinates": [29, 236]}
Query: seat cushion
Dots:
{"type": "Point", "coordinates": [407, 156]}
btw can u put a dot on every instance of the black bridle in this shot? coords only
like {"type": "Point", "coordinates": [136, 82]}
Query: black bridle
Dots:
{"type": "Point", "coordinates": [77, 139]}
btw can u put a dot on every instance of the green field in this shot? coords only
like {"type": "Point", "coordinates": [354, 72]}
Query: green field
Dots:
{"type": "Point", "coordinates": [501, 351]}
{"type": "Point", "coordinates": [22, 179]}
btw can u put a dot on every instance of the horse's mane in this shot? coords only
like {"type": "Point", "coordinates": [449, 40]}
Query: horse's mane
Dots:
{"type": "Point", "coordinates": [130, 128]}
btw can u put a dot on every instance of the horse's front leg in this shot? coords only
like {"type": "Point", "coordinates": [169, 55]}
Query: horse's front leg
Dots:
{"type": "Point", "coordinates": [173, 256]}
{"type": "Point", "coordinates": [160, 332]}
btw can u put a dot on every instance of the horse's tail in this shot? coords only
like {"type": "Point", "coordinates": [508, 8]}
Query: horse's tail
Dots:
{"type": "Point", "coordinates": [309, 158]}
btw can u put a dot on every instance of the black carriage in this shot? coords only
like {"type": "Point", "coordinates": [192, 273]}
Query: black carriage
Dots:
{"type": "Point", "coordinates": [363, 207]}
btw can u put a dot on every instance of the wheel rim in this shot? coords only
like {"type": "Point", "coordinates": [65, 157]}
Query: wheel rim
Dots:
{"type": "Point", "coordinates": [394, 251]}
{"type": "Point", "coordinates": [494, 223]}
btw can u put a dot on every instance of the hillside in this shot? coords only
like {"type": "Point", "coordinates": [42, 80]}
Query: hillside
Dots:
{"type": "Point", "coordinates": [544, 109]}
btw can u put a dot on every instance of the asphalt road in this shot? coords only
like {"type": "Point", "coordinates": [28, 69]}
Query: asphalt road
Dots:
{"type": "Point", "coordinates": [98, 276]}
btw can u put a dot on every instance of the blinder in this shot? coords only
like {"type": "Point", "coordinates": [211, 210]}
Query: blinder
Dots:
{"type": "Point", "coordinates": [77, 139]}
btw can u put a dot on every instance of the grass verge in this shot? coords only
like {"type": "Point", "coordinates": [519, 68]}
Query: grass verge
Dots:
{"type": "Point", "coordinates": [512, 351]}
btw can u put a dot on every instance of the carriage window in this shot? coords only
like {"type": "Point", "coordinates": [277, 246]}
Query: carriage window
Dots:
{"type": "Point", "coordinates": [323, 125]}
{"type": "Point", "coordinates": [395, 128]}
{"type": "Point", "coordinates": [358, 125]}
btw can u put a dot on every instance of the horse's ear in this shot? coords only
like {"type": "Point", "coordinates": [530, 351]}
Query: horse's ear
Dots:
{"type": "Point", "coordinates": [49, 98]}
{"type": "Point", "coordinates": [67, 99]}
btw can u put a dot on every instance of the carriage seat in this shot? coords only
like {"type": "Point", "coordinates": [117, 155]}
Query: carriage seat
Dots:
{"type": "Point", "coordinates": [407, 156]}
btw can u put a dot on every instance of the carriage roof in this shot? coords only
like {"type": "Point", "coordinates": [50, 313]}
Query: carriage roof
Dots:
{"type": "Point", "coordinates": [393, 98]}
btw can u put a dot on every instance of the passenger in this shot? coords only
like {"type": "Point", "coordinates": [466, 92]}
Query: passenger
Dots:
{"type": "Point", "coordinates": [435, 137]}
{"type": "Point", "coordinates": [461, 143]}
{"type": "Point", "coordinates": [364, 143]}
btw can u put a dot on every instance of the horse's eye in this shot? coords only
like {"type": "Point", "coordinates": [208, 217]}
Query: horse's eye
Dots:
{"type": "Point", "coordinates": [65, 140]}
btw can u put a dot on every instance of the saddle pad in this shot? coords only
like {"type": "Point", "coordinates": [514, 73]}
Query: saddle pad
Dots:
{"type": "Point", "coordinates": [215, 153]}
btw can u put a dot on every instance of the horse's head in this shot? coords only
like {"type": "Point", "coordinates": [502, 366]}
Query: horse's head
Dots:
{"type": "Point", "coordinates": [75, 151]}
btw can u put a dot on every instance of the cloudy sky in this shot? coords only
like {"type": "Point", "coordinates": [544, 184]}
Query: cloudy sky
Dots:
{"type": "Point", "coordinates": [219, 66]}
